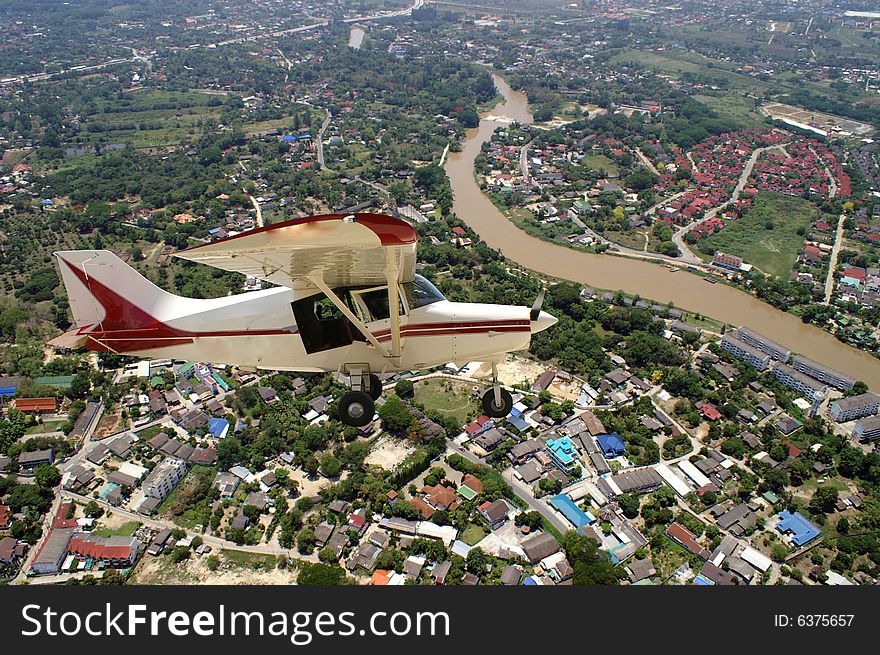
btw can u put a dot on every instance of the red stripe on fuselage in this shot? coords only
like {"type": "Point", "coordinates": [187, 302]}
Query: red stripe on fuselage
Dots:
{"type": "Point", "coordinates": [126, 325]}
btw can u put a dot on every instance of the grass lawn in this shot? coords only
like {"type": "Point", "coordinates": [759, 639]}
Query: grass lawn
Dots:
{"type": "Point", "coordinates": [149, 433]}
{"type": "Point", "coordinates": [634, 239]}
{"type": "Point", "coordinates": [43, 428]}
{"type": "Point", "coordinates": [124, 530]}
{"type": "Point", "coordinates": [254, 561]}
{"type": "Point", "coordinates": [473, 534]}
{"type": "Point", "coordinates": [448, 398]}
{"type": "Point", "coordinates": [600, 162]}
{"type": "Point", "coordinates": [774, 250]}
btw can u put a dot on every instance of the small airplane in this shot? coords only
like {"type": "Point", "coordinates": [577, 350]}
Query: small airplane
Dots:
{"type": "Point", "coordinates": [347, 300]}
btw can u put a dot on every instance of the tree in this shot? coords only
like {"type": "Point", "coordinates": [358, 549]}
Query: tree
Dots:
{"type": "Point", "coordinates": [46, 476]}
{"type": "Point", "coordinates": [629, 503]}
{"type": "Point", "coordinates": [229, 452]}
{"type": "Point", "coordinates": [823, 500]}
{"type": "Point", "coordinates": [404, 389]}
{"type": "Point", "coordinates": [395, 415]}
{"type": "Point", "coordinates": [330, 466]}
{"type": "Point", "coordinates": [311, 466]}
{"type": "Point", "coordinates": [532, 519]}
{"type": "Point", "coordinates": [328, 556]}
{"type": "Point", "coordinates": [93, 510]}
{"type": "Point", "coordinates": [591, 565]}
{"type": "Point", "coordinates": [306, 540]}
{"type": "Point", "coordinates": [477, 561]}
{"type": "Point", "coordinates": [179, 554]}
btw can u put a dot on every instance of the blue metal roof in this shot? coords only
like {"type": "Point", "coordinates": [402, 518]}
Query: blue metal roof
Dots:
{"type": "Point", "coordinates": [611, 444]}
{"type": "Point", "coordinates": [7, 392]}
{"type": "Point", "coordinates": [802, 531]}
{"type": "Point", "coordinates": [571, 511]}
{"type": "Point", "coordinates": [218, 426]}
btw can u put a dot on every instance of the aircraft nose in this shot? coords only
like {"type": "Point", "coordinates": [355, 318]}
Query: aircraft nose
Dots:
{"type": "Point", "coordinates": [543, 322]}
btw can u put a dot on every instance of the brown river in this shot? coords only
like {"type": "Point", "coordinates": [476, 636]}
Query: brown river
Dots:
{"type": "Point", "coordinates": [633, 276]}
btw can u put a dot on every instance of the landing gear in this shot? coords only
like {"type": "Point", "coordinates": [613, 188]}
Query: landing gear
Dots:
{"type": "Point", "coordinates": [497, 401]}
{"type": "Point", "coordinates": [375, 386]}
{"type": "Point", "coordinates": [356, 409]}
{"type": "Point", "coordinates": [494, 408]}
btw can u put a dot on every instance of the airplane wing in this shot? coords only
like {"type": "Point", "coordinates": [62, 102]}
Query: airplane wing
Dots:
{"type": "Point", "coordinates": [341, 250]}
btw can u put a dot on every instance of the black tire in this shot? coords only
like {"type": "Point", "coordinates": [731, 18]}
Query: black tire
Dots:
{"type": "Point", "coordinates": [375, 390]}
{"type": "Point", "coordinates": [356, 409]}
{"type": "Point", "coordinates": [491, 410]}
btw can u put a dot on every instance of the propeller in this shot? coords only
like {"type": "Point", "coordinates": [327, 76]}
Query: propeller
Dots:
{"type": "Point", "coordinates": [535, 312]}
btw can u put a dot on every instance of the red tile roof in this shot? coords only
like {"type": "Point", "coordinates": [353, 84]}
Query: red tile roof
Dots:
{"type": "Point", "coordinates": [35, 404]}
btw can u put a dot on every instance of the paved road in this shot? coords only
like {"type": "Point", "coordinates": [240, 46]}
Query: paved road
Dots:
{"type": "Point", "coordinates": [320, 141]}
{"type": "Point", "coordinates": [647, 162]}
{"type": "Point", "coordinates": [258, 210]}
{"type": "Point", "coordinates": [832, 262]}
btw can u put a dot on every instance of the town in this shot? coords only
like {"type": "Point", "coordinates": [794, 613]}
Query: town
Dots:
{"type": "Point", "coordinates": [650, 441]}
{"type": "Point", "coordinates": [188, 463]}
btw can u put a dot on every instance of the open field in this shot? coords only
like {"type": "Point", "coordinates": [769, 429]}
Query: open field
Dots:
{"type": "Point", "coordinates": [43, 428]}
{"type": "Point", "coordinates": [235, 568]}
{"type": "Point", "coordinates": [447, 397]}
{"type": "Point", "coordinates": [127, 529]}
{"type": "Point", "coordinates": [144, 119]}
{"type": "Point", "coordinates": [772, 250]}
{"type": "Point", "coordinates": [388, 453]}
{"type": "Point", "coordinates": [600, 163]}
{"type": "Point", "coordinates": [815, 119]}
{"type": "Point", "coordinates": [473, 534]}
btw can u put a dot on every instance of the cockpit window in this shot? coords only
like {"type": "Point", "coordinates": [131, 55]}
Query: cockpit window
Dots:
{"type": "Point", "coordinates": [420, 292]}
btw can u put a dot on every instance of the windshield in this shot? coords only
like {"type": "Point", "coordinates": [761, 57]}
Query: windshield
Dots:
{"type": "Point", "coordinates": [420, 292]}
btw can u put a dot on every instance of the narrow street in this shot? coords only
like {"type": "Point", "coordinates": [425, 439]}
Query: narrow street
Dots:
{"type": "Point", "coordinates": [320, 141]}
{"type": "Point", "coordinates": [258, 210]}
{"type": "Point", "coordinates": [832, 261]}
{"type": "Point", "coordinates": [522, 492]}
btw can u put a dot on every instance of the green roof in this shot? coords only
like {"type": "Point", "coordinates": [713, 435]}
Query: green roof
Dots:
{"type": "Point", "coordinates": [770, 497]}
{"type": "Point", "coordinates": [156, 381]}
{"type": "Point", "coordinates": [55, 380]}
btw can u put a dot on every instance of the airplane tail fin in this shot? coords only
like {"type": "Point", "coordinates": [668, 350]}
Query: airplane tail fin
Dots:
{"type": "Point", "coordinates": [107, 294]}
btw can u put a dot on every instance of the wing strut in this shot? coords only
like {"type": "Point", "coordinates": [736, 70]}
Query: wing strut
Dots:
{"type": "Point", "coordinates": [318, 281]}
{"type": "Point", "coordinates": [392, 273]}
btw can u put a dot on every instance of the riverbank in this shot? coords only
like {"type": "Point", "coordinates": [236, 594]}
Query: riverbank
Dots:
{"type": "Point", "coordinates": [632, 276]}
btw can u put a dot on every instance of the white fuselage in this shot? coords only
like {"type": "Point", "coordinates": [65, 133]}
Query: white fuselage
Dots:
{"type": "Point", "coordinates": [430, 336]}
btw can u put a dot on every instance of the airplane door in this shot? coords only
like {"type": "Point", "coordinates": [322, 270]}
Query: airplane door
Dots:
{"type": "Point", "coordinates": [321, 325]}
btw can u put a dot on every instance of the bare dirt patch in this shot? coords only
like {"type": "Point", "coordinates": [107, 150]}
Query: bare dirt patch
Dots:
{"type": "Point", "coordinates": [389, 453]}
{"type": "Point", "coordinates": [235, 569]}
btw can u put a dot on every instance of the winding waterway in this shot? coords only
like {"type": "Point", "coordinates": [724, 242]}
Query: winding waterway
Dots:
{"type": "Point", "coordinates": [633, 276]}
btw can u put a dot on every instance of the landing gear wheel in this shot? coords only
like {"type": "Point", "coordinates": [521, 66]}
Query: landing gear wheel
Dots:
{"type": "Point", "coordinates": [356, 409]}
{"type": "Point", "coordinates": [375, 387]}
{"type": "Point", "coordinates": [491, 409]}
